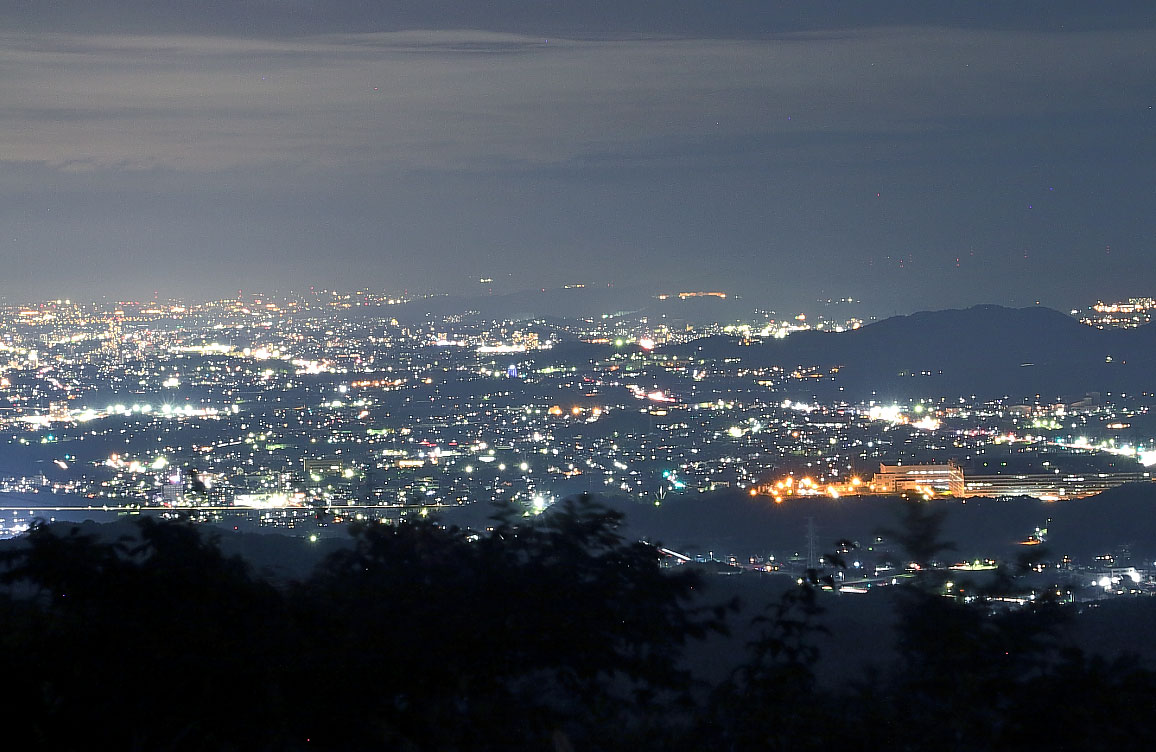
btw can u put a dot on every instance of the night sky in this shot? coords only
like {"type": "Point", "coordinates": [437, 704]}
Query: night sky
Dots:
{"type": "Point", "coordinates": [911, 154]}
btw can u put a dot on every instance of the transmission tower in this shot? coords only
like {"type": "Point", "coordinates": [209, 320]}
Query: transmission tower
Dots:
{"type": "Point", "coordinates": [812, 561]}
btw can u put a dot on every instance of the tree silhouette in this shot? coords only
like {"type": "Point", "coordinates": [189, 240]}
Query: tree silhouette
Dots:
{"type": "Point", "coordinates": [971, 654]}
{"type": "Point", "coordinates": [159, 631]}
{"type": "Point", "coordinates": [772, 701]}
{"type": "Point", "coordinates": [918, 532]}
{"type": "Point", "coordinates": [537, 629]}
{"type": "Point", "coordinates": [543, 633]}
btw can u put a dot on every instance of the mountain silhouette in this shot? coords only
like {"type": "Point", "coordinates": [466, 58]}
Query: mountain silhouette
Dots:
{"type": "Point", "coordinates": [986, 351]}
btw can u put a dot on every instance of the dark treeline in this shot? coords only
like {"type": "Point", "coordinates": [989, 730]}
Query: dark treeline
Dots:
{"type": "Point", "coordinates": [553, 634]}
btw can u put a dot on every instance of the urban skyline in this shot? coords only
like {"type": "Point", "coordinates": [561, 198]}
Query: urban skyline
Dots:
{"type": "Point", "coordinates": [359, 386]}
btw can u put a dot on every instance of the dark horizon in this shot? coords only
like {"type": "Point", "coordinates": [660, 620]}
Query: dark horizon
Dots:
{"type": "Point", "coordinates": [564, 303]}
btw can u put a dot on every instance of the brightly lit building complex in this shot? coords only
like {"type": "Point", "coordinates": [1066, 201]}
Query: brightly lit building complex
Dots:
{"type": "Point", "coordinates": [934, 481]}
{"type": "Point", "coordinates": [949, 480]}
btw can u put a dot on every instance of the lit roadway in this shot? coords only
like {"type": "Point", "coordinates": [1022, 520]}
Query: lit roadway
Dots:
{"type": "Point", "coordinates": [131, 508]}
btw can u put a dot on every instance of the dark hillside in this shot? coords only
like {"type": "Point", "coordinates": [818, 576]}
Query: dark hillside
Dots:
{"type": "Point", "coordinates": [987, 351]}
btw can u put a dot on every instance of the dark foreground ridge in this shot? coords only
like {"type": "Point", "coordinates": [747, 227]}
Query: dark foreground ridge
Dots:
{"type": "Point", "coordinates": [550, 634]}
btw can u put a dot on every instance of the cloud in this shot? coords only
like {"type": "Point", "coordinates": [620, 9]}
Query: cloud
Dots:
{"type": "Point", "coordinates": [779, 162]}
{"type": "Point", "coordinates": [473, 100]}
{"type": "Point", "coordinates": [734, 19]}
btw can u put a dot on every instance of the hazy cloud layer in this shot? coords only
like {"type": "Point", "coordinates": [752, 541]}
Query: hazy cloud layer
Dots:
{"type": "Point", "coordinates": [466, 100]}
{"type": "Point", "coordinates": [913, 157]}
{"type": "Point", "coordinates": [601, 18]}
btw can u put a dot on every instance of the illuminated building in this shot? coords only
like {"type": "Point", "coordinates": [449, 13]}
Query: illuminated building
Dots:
{"type": "Point", "coordinates": [940, 479]}
{"type": "Point", "coordinates": [173, 494]}
{"type": "Point", "coordinates": [1049, 486]}
{"type": "Point", "coordinates": [323, 466]}
{"type": "Point", "coordinates": [1125, 314]}
{"type": "Point", "coordinates": [932, 480]}
{"type": "Point", "coordinates": [694, 294]}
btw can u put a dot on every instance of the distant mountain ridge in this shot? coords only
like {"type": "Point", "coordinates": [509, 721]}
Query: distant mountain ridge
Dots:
{"type": "Point", "coordinates": [987, 351]}
{"type": "Point", "coordinates": [575, 302]}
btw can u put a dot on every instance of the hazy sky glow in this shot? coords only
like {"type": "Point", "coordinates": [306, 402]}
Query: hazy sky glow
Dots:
{"type": "Point", "coordinates": [913, 161]}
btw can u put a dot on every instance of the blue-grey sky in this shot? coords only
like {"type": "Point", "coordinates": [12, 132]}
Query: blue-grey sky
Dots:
{"type": "Point", "coordinates": [929, 156]}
